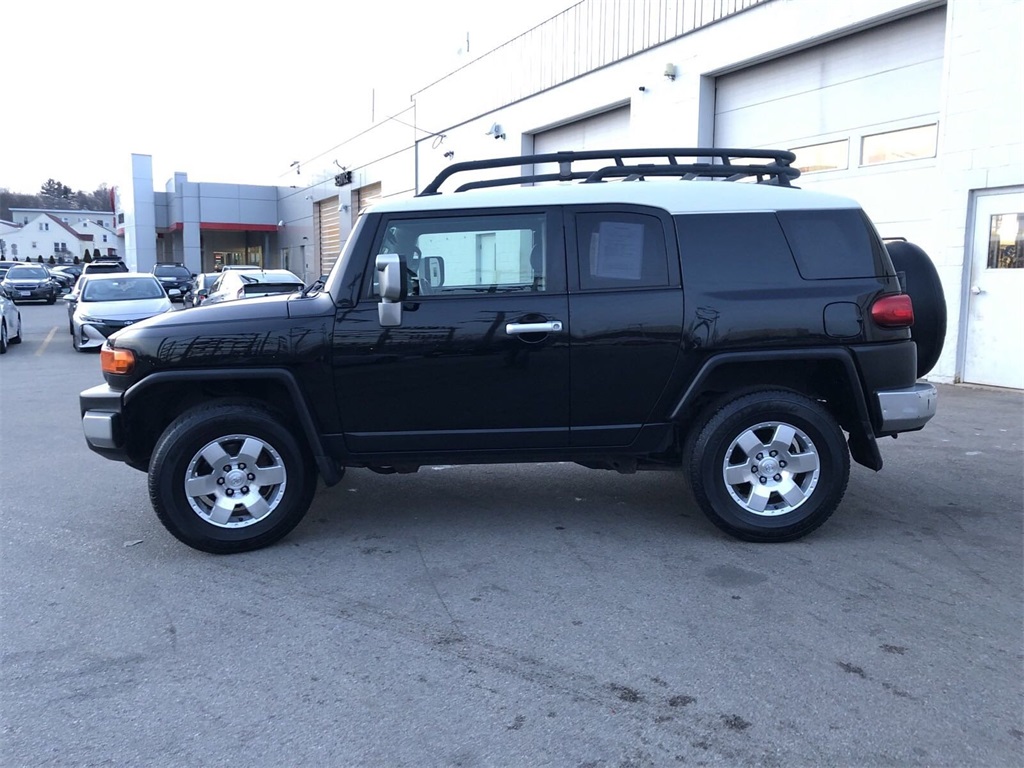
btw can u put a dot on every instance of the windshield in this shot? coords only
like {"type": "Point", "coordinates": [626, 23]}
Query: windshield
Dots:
{"type": "Point", "coordinates": [123, 289]}
{"type": "Point", "coordinates": [171, 272]}
{"type": "Point", "coordinates": [27, 273]}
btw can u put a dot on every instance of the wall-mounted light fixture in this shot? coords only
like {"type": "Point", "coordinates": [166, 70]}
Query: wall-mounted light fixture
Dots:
{"type": "Point", "coordinates": [496, 131]}
{"type": "Point", "coordinates": [642, 89]}
{"type": "Point", "coordinates": [309, 197]}
{"type": "Point", "coordinates": [345, 207]}
{"type": "Point", "coordinates": [281, 223]}
{"type": "Point", "coordinates": [670, 71]}
{"type": "Point", "coordinates": [449, 154]}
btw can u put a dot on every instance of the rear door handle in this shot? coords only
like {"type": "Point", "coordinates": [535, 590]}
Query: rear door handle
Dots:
{"type": "Point", "coordinates": [552, 326]}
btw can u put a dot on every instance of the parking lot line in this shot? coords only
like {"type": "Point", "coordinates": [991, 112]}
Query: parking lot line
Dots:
{"type": "Point", "coordinates": [46, 341]}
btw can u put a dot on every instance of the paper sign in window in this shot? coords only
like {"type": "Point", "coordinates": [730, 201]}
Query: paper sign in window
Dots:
{"type": "Point", "coordinates": [617, 250]}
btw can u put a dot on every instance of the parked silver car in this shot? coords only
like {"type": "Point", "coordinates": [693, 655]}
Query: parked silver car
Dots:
{"type": "Point", "coordinates": [108, 303]}
{"type": "Point", "coordinates": [10, 321]}
{"type": "Point", "coordinates": [248, 283]}
{"type": "Point", "coordinates": [31, 282]}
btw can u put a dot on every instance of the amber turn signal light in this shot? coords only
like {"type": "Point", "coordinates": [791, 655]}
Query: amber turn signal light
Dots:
{"type": "Point", "coordinates": [113, 360]}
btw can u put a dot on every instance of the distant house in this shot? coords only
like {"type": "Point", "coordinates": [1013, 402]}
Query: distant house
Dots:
{"type": "Point", "coordinates": [64, 235]}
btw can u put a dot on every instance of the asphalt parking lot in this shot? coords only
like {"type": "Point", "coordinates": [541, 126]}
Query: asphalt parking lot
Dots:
{"type": "Point", "coordinates": [509, 615]}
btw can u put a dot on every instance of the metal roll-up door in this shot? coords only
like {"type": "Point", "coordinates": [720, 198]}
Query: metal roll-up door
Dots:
{"type": "Point", "coordinates": [328, 228]}
{"type": "Point", "coordinates": [836, 90]}
{"type": "Point", "coordinates": [367, 196]}
{"type": "Point", "coordinates": [607, 130]}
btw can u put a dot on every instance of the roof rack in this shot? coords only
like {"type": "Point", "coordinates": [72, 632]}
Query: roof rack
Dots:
{"type": "Point", "coordinates": [706, 163]}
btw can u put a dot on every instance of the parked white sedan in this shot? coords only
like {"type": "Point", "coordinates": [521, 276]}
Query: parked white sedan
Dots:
{"type": "Point", "coordinates": [109, 302]}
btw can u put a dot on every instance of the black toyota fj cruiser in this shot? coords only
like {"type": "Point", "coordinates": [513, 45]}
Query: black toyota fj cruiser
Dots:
{"type": "Point", "coordinates": [630, 321]}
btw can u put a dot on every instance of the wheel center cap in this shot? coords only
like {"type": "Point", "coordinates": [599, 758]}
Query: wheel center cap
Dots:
{"type": "Point", "coordinates": [235, 479]}
{"type": "Point", "coordinates": [769, 466]}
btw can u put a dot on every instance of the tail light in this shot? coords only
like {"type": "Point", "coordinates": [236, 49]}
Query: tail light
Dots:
{"type": "Point", "coordinates": [896, 311]}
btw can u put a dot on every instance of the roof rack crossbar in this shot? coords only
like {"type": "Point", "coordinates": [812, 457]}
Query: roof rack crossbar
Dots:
{"type": "Point", "coordinates": [778, 169]}
{"type": "Point", "coordinates": [695, 171]}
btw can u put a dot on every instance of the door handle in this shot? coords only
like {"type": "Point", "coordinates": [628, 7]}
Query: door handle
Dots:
{"type": "Point", "coordinates": [976, 290]}
{"type": "Point", "coordinates": [552, 326]}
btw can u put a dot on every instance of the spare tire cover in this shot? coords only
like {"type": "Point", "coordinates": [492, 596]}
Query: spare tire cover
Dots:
{"type": "Point", "coordinates": [925, 290]}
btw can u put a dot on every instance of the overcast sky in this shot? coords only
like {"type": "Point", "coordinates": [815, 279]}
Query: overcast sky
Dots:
{"type": "Point", "coordinates": [224, 90]}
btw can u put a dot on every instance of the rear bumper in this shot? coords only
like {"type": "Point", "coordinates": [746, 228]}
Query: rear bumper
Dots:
{"type": "Point", "coordinates": [906, 410]}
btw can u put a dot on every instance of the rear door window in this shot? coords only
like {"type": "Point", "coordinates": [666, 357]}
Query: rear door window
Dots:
{"type": "Point", "coordinates": [618, 250]}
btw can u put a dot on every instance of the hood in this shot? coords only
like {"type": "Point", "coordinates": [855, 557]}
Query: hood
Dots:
{"type": "Point", "coordinates": [225, 312]}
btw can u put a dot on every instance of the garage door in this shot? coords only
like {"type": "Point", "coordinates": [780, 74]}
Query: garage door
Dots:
{"type": "Point", "coordinates": [328, 233]}
{"type": "Point", "coordinates": [869, 83]}
{"type": "Point", "coordinates": [367, 196]}
{"type": "Point", "coordinates": [607, 130]}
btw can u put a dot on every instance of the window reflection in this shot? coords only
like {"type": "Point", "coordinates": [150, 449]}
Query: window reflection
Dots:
{"type": "Point", "coordinates": [1006, 234]}
{"type": "Point", "coordinates": [895, 146]}
{"type": "Point", "coordinates": [830, 156]}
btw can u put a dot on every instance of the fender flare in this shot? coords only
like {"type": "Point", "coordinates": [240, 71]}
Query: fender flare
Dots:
{"type": "Point", "coordinates": [862, 442]}
{"type": "Point", "coordinates": [328, 468]}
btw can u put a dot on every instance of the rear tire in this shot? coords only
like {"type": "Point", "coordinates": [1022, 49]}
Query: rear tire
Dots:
{"type": "Point", "coordinates": [229, 478]}
{"type": "Point", "coordinates": [769, 466]}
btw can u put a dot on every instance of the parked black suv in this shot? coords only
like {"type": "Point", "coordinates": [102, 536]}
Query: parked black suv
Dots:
{"type": "Point", "coordinates": [103, 265]}
{"type": "Point", "coordinates": [175, 278]}
{"type": "Point", "coordinates": [754, 335]}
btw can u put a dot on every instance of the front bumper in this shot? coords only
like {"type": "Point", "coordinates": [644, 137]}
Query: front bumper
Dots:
{"type": "Point", "coordinates": [101, 409]}
{"type": "Point", "coordinates": [94, 333]}
{"type": "Point", "coordinates": [40, 293]}
{"type": "Point", "coordinates": [906, 410]}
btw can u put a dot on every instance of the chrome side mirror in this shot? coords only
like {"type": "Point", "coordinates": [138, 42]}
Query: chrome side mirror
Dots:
{"type": "Point", "coordinates": [391, 279]}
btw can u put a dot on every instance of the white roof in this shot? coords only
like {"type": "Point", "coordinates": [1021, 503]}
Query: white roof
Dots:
{"type": "Point", "coordinates": [674, 196]}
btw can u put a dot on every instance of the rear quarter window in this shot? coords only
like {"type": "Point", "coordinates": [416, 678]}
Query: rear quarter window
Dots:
{"type": "Point", "coordinates": [833, 244]}
{"type": "Point", "coordinates": [734, 249]}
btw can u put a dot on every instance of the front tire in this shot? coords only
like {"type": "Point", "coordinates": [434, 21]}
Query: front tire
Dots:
{"type": "Point", "coordinates": [3, 337]}
{"type": "Point", "coordinates": [229, 478]}
{"type": "Point", "coordinates": [769, 466]}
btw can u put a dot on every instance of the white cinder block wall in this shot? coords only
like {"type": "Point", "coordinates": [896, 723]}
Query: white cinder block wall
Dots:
{"type": "Point", "coordinates": [981, 142]}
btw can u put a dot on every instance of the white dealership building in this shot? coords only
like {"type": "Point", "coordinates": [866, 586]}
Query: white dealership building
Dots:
{"type": "Point", "coordinates": [915, 108]}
